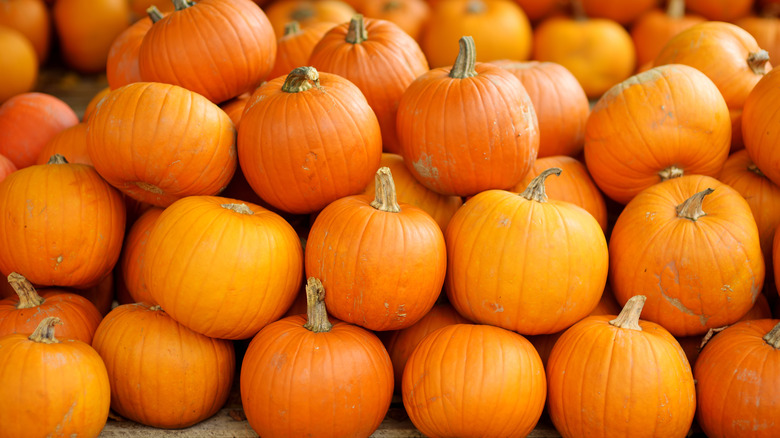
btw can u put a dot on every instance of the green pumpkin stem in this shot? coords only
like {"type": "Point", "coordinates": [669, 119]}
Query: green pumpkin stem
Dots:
{"type": "Point", "coordinates": [691, 208]}
{"type": "Point", "coordinates": [773, 337]}
{"type": "Point", "coordinates": [44, 333]}
{"type": "Point", "coordinates": [292, 28]}
{"type": "Point", "coordinates": [670, 172]}
{"type": "Point", "coordinates": [317, 316]}
{"type": "Point", "coordinates": [182, 4]}
{"type": "Point", "coordinates": [301, 79]}
{"type": "Point", "coordinates": [238, 208]}
{"type": "Point", "coordinates": [629, 315]}
{"type": "Point", "coordinates": [57, 159]}
{"type": "Point", "coordinates": [466, 60]}
{"type": "Point", "coordinates": [385, 198]}
{"type": "Point", "coordinates": [28, 296]}
{"type": "Point", "coordinates": [675, 9]}
{"type": "Point", "coordinates": [154, 14]}
{"type": "Point", "coordinates": [357, 32]}
{"type": "Point", "coordinates": [535, 190]}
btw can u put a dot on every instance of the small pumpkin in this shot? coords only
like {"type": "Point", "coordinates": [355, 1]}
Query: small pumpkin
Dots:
{"type": "Point", "coordinates": [122, 61]}
{"type": "Point", "coordinates": [71, 143]}
{"type": "Point", "coordinates": [653, 29]}
{"type": "Point", "coordinates": [33, 20]}
{"type": "Point", "coordinates": [307, 13]}
{"type": "Point", "coordinates": [410, 15]}
{"type": "Point", "coordinates": [295, 46]}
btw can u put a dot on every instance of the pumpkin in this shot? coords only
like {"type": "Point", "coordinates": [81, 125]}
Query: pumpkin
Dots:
{"type": "Point", "coordinates": [720, 10]}
{"type": "Point", "coordinates": [765, 28]}
{"type": "Point", "coordinates": [122, 62]}
{"type": "Point", "coordinates": [93, 103]}
{"type": "Point", "coordinates": [59, 387]}
{"type": "Point", "coordinates": [306, 13]}
{"type": "Point", "coordinates": [251, 252]}
{"type": "Point", "coordinates": [295, 46]}
{"type": "Point", "coordinates": [6, 167]}
{"type": "Point", "coordinates": [71, 143]}
{"type": "Point", "coordinates": [620, 376]}
{"type": "Point", "coordinates": [623, 12]}
{"type": "Point", "coordinates": [345, 390]}
{"type": "Point", "coordinates": [62, 225]}
{"type": "Point", "coordinates": [18, 64]}
{"type": "Point", "coordinates": [474, 104]}
{"type": "Point", "coordinates": [378, 57]}
{"type": "Point", "coordinates": [692, 246]}
{"type": "Point", "coordinates": [133, 256]}
{"type": "Point", "coordinates": [28, 121]}
{"type": "Point", "coordinates": [537, 10]}
{"type": "Point", "coordinates": [410, 15]}
{"type": "Point", "coordinates": [136, 141]}
{"type": "Point", "coordinates": [86, 30]}
{"type": "Point", "coordinates": [234, 108]}
{"type": "Point", "coordinates": [32, 19]}
{"type": "Point", "coordinates": [308, 139]}
{"type": "Point", "coordinates": [216, 48]}
{"type": "Point", "coordinates": [140, 8]}
{"type": "Point", "coordinates": [348, 249]}
{"type": "Point", "coordinates": [23, 313]}
{"type": "Point", "coordinates": [483, 20]}
{"type": "Point", "coordinates": [410, 191]}
{"type": "Point", "coordinates": [488, 375]}
{"type": "Point", "coordinates": [737, 376]}
{"type": "Point", "coordinates": [597, 51]}
{"type": "Point", "coordinates": [653, 29]}
{"type": "Point", "coordinates": [561, 105]}
{"type": "Point", "coordinates": [759, 120]}
{"type": "Point", "coordinates": [530, 277]}
{"type": "Point", "coordinates": [660, 124]}
{"type": "Point", "coordinates": [161, 373]}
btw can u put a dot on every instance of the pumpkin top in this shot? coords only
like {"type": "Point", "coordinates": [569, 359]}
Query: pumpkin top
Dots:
{"type": "Point", "coordinates": [757, 61]}
{"type": "Point", "coordinates": [691, 208]}
{"type": "Point", "coordinates": [154, 14]}
{"type": "Point", "coordinates": [317, 316]}
{"type": "Point", "coordinates": [535, 190]}
{"type": "Point", "coordinates": [466, 60]}
{"type": "Point", "coordinates": [629, 315]}
{"type": "Point", "coordinates": [44, 333]}
{"type": "Point", "coordinates": [57, 159]}
{"type": "Point", "coordinates": [773, 337]}
{"type": "Point", "coordinates": [357, 32]}
{"type": "Point", "coordinates": [28, 296]}
{"type": "Point", "coordinates": [301, 79]}
{"type": "Point", "coordinates": [675, 9]}
{"type": "Point", "coordinates": [385, 198]}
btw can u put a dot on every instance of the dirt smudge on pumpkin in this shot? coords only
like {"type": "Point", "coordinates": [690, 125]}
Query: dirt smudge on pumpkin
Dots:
{"type": "Point", "coordinates": [424, 167]}
{"type": "Point", "coordinates": [493, 307]}
{"type": "Point", "coordinates": [66, 419]}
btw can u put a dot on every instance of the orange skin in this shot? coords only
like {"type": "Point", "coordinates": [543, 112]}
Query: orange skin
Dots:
{"type": "Point", "coordinates": [122, 62]}
{"type": "Point", "coordinates": [6, 167]}
{"type": "Point", "coordinates": [294, 49]}
{"type": "Point", "coordinates": [133, 256]}
{"type": "Point", "coordinates": [33, 20]}
{"type": "Point", "coordinates": [720, 10]}
{"type": "Point", "coordinates": [654, 29]}
{"type": "Point", "coordinates": [307, 13]}
{"type": "Point", "coordinates": [410, 15]}
{"type": "Point", "coordinates": [758, 126]}
{"type": "Point", "coordinates": [620, 11]}
{"type": "Point", "coordinates": [70, 143]}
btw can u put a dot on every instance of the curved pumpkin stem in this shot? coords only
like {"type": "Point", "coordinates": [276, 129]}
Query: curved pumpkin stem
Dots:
{"type": "Point", "coordinates": [535, 190]}
{"type": "Point", "coordinates": [301, 79]}
{"type": "Point", "coordinates": [44, 333]}
{"type": "Point", "coordinates": [753, 168]}
{"type": "Point", "coordinates": [691, 208]}
{"type": "Point", "coordinates": [154, 14]}
{"type": "Point", "coordinates": [57, 159]}
{"type": "Point", "coordinates": [28, 296]}
{"type": "Point", "coordinates": [757, 61]}
{"type": "Point", "coordinates": [671, 172]}
{"type": "Point", "coordinates": [675, 9]}
{"type": "Point", "coordinates": [292, 28]}
{"type": "Point", "coordinates": [629, 315]}
{"type": "Point", "coordinates": [357, 32]}
{"type": "Point", "coordinates": [385, 198]}
{"type": "Point", "coordinates": [238, 208]}
{"type": "Point", "coordinates": [182, 4]}
{"type": "Point", "coordinates": [773, 337]}
{"type": "Point", "coordinates": [466, 60]}
{"type": "Point", "coordinates": [317, 316]}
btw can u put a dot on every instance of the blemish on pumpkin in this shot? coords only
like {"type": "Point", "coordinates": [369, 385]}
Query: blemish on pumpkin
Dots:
{"type": "Point", "coordinates": [675, 302]}
{"type": "Point", "coordinates": [149, 187]}
{"type": "Point", "coordinates": [424, 167]}
{"type": "Point", "coordinates": [493, 307]}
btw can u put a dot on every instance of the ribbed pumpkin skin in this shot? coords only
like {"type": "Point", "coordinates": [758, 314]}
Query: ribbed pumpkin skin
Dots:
{"type": "Point", "coordinates": [219, 272]}
{"type": "Point", "coordinates": [464, 136]}
{"type": "Point", "coordinates": [133, 256]}
{"type": "Point", "coordinates": [293, 50]}
{"type": "Point", "coordinates": [382, 67]}
{"type": "Point", "coordinates": [345, 390]}
{"type": "Point", "coordinates": [57, 389]}
{"type": "Point", "coordinates": [122, 63]}
{"type": "Point", "coordinates": [471, 380]}
{"type": "Point", "coordinates": [737, 375]}
{"type": "Point", "coordinates": [216, 48]}
{"type": "Point", "coordinates": [71, 143]}
{"type": "Point", "coordinates": [604, 381]}
{"type": "Point", "coordinates": [696, 275]}
{"type": "Point", "coordinates": [530, 277]}
{"type": "Point", "coordinates": [161, 135]}
{"type": "Point", "coordinates": [161, 373]}
{"type": "Point", "coordinates": [759, 122]}
{"type": "Point", "coordinates": [62, 225]}
{"type": "Point", "coordinates": [301, 151]}
{"type": "Point", "coordinates": [348, 249]}
{"type": "Point", "coordinates": [667, 116]}
{"type": "Point", "coordinates": [79, 316]}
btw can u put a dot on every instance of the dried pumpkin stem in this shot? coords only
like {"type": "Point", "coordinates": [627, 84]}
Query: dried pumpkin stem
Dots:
{"type": "Point", "coordinates": [292, 28]}
{"type": "Point", "coordinates": [28, 296]}
{"type": "Point", "coordinates": [578, 11]}
{"type": "Point", "coordinates": [757, 61]}
{"type": "Point", "coordinates": [671, 172]}
{"type": "Point", "coordinates": [182, 4]}
{"type": "Point", "coordinates": [238, 208]}
{"type": "Point", "coordinates": [753, 168]}
{"type": "Point", "coordinates": [629, 315]}
{"type": "Point", "coordinates": [691, 208]}
{"type": "Point", "coordinates": [57, 159]}
{"type": "Point", "coordinates": [303, 12]}
{"type": "Point", "coordinates": [357, 32]}
{"type": "Point", "coordinates": [154, 14]}
{"type": "Point", "coordinates": [301, 79]}
{"type": "Point", "coordinates": [675, 9]}
{"type": "Point", "coordinates": [385, 198]}
{"type": "Point", "coordinates": [535, 190]}
{"type": "Point", "coordinates": [44, 333]}
{"type": "Point", "coordinates": [466, 60]}
{"type": "Point", "coordinates": [391, 6]}
{"type": "Point", "coordinates": [773, 337]}
{"type": "Point", "coordinates": [317, 315]}
{"type": "Point", "coordinates": [156, 308]}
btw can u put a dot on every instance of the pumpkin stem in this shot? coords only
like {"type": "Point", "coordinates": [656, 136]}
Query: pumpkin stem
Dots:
{"type": "Point", "coordinates": [466, 60]}
{"type": "Point", "coordinates": [357, 32]}
{"type": "Point", "coordinates": [629, 315]}
{"type": "Point", "coordinates": [385, 198]}
{"type": "Point", "coordinates": [156, 308]}
{"type": "Point", "coordinates": [238, 208]}
{"type": "Point", "coordinates": [28, 296]}
{"type": "Point", "coordinates": [535, 190]}
{"type": "Point", "coordinates": [757, 61]}
{"type": "Point", "coordinates": [753, 168]}
{"type": "Point", "coordinates": [57, 159]}
{"type": "Point", "coordinates": [675, 9]}
{"type": "Point", "coordinates": [303, 12]}
{"type": "Point", "coordinates": [671, 172]}
{"type": "Point", "coordinates": [391, 6]}
{"type": "Point", "coordinates": [301, 79]}
{"type": "Point", "coordinates": [292, 28]}
{"type": "Point", "coordinates": [44, 333]}
{"type": "Point", "coordinates": [578, 11]}
{"type": "Point", "coordinates": [182, 4]}
{"type": "Point", "coordinates": [317, 315]}
{"type": "Point", "coordinates": [773, 337]}
{"type": "Point", "coordinates": [154, 14]}
{"type": "Point", "coordinates": [476, 7]}
{"type": "Point", "coordinates": [691, 208]}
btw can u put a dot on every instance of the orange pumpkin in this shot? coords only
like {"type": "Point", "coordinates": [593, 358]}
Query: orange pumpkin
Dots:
{"type": "Point", "coordinates": [692, 245]}
{"type": "Point", "coordinates": [140, 8]}
{"type": "Point", "coordinates": [660, 124]}
{"type": "Point", "coordinates": [306, 13]}
{"type": "Point", "coordinates": [620, 11]}
{"type": "Point", "coordinates": [759, 122]}
{"type": "Point", "coordinates": [653, 29]}
{"type": "Point", "coordinates": [295, 46]}
{"type": "Point", "coordinates": [234, 108]}
{"type": "Point", "coordinates": [133, 256]}
{"type": "Point", "coordinates": [537, 10]}
{"type": "Point", "coordinates": [33, 20]}
{"type": "Point", "coordinates": [122, 61]}
{"type": "Point", "coordinates": [410, 15]}
{"type": "Point", "coordinates": [93, 103]}
{"type": "Point", "coordinates": [474, 104]}
{"type": "Point", "coordinates": [71, 143]}
{"type": "Point", "coordinates": [720, 10]}
{"type": "Point", "coordinates": [65, 376]}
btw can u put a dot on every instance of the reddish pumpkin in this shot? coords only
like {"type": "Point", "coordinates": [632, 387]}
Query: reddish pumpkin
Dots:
{"type": "Point", "coordinates": [6, 167]}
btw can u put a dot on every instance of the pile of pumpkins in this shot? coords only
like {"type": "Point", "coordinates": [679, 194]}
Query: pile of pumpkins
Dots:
{"type": "Point", "coordinates": [364, 219]}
